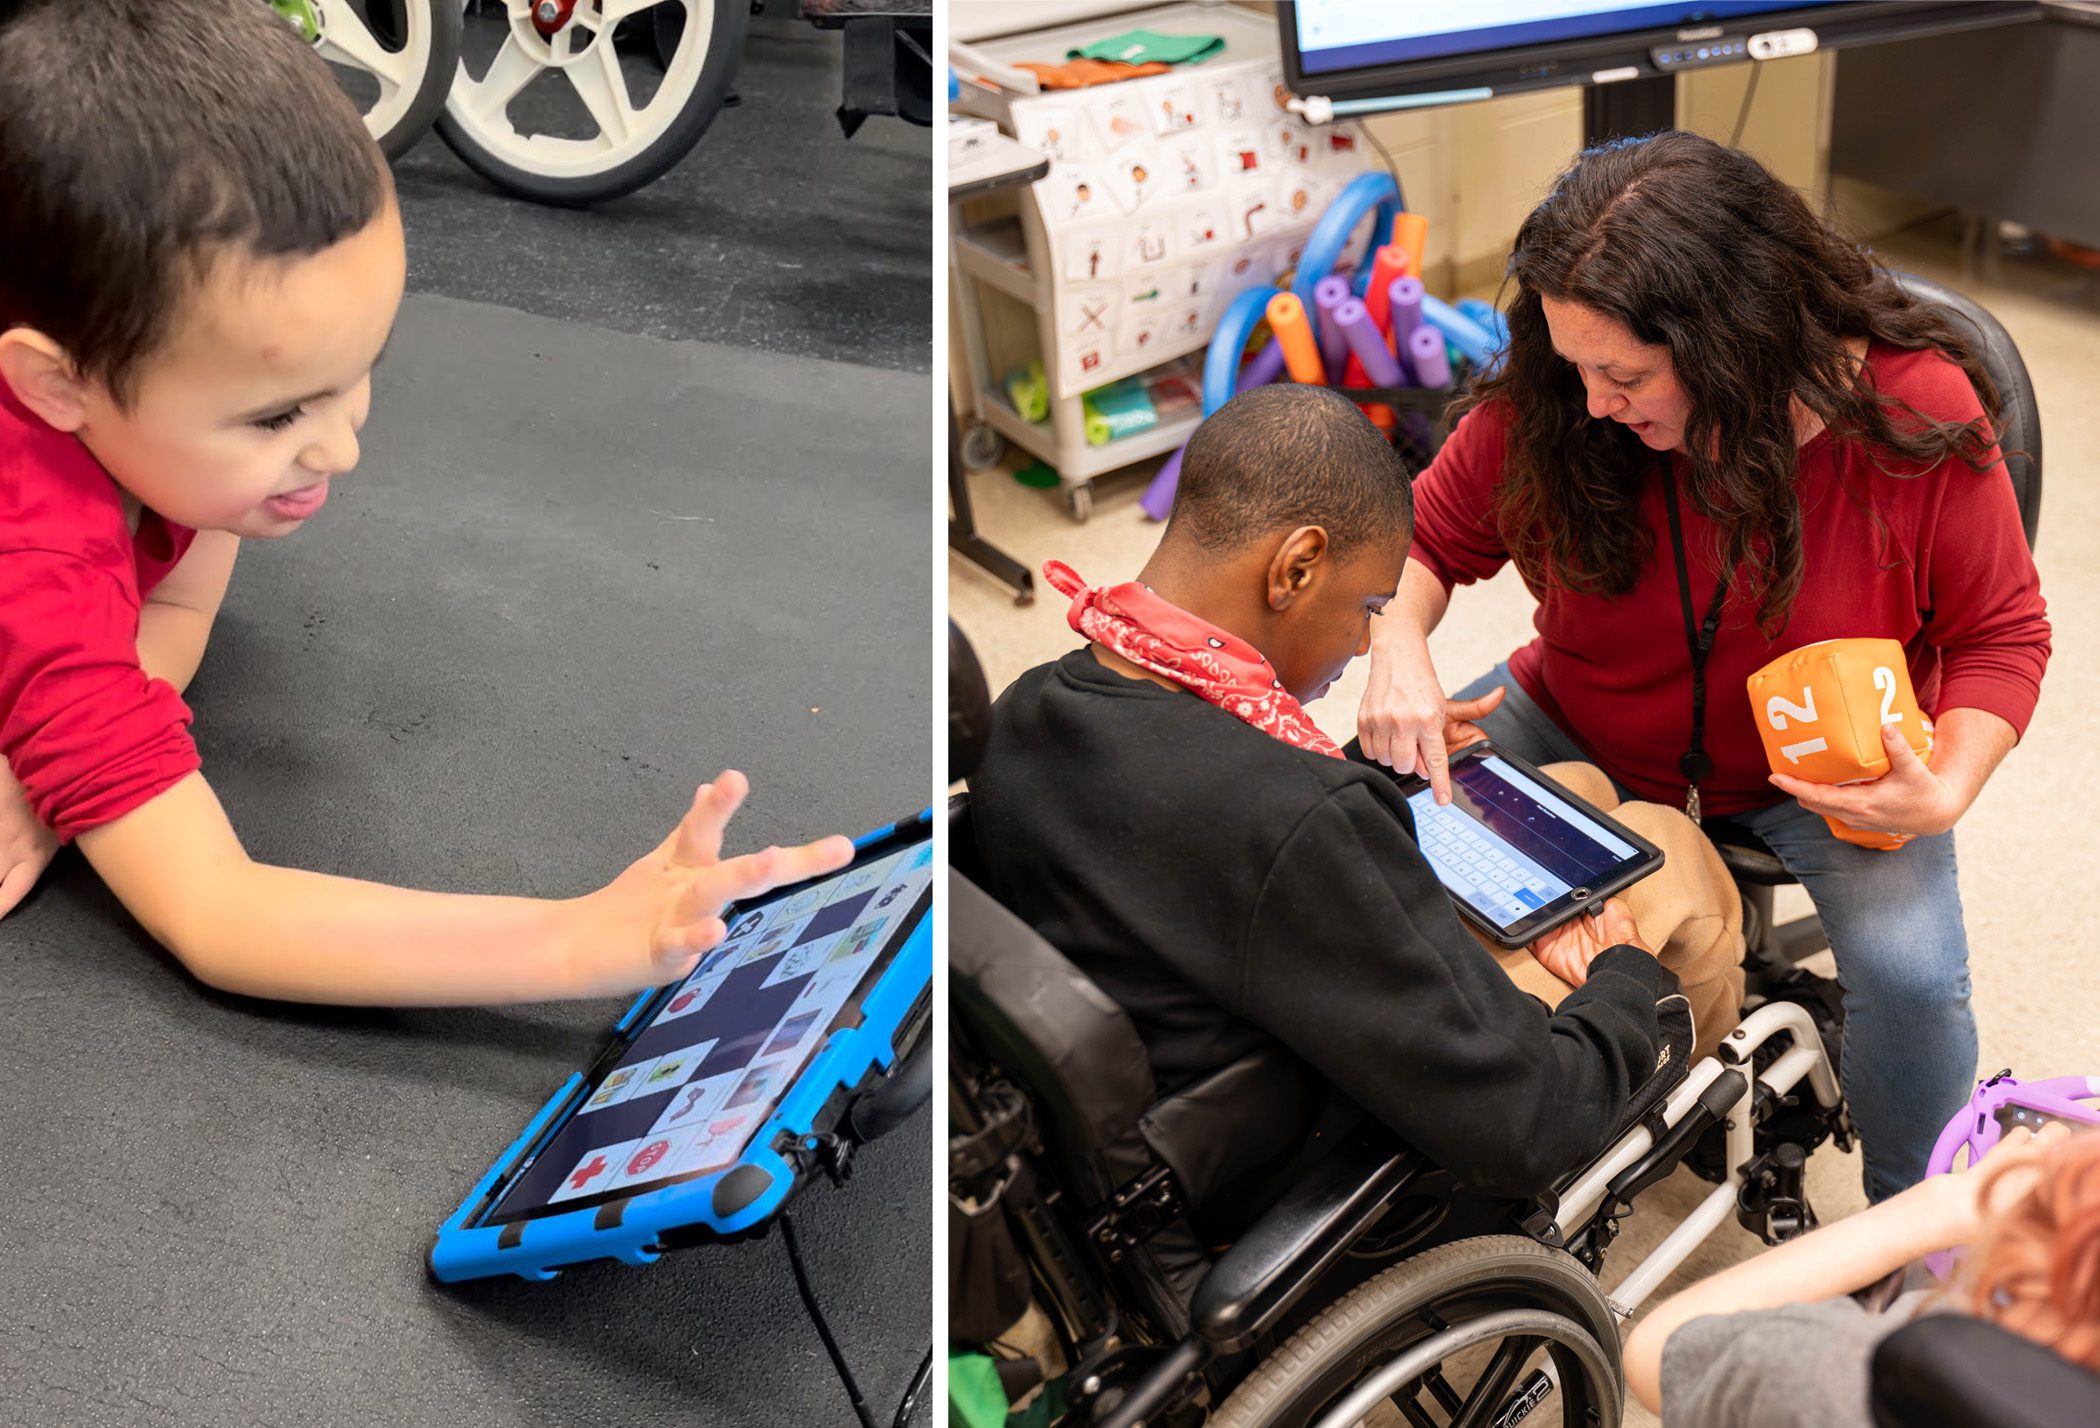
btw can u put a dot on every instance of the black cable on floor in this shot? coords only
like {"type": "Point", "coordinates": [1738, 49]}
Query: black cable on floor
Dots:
{"type": "Point", "coordinates": [816, 1317]}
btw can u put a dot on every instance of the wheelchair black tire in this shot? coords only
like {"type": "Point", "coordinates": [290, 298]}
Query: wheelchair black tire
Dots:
{"type": "Point", "coordinates": [1372, 1324]}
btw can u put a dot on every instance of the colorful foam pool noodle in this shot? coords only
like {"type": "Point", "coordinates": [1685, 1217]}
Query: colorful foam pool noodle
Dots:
{"type": "Point", "coordinates": [1404, 297]}
{"type": "Point", "coordinates": [1158, 499]}
{"type": "Point", "coordinates": [1367, 345]}
{"type": "Point", "coordinates": [1227, 352]}
{"type": "Point", "coordinates": [1411, 236]}
{"type": "Point", "coordinates": [1301, 354]}
{"type": "Point", "coordinates": [1473, 341]}
{"type": "Point", "coordinates": [1387, 266]}
{"type": "Point", "coordinates": [1432, 364]}
{"type": "Point", "coordinates": [1261, 369]}
{"type": "Point", "coordinates": [1327, 294]}
{"type": "Point", "coordinates": [1490, 319]}
{"type": "Point", "coordinates": [1376, 194]}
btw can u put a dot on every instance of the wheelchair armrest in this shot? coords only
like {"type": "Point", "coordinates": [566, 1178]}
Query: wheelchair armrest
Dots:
{"type": "Point", "coordinates": [1284, 1252]}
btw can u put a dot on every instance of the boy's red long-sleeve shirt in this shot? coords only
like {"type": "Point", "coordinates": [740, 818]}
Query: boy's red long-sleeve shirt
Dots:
{"type": "Point", "coordinates": [86, 733]}
{"type": "Point", "coordinates": [1945, 571]}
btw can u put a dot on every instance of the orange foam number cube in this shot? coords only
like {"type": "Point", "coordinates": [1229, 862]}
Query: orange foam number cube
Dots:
{"type": "Point", "coordinates": [1819, 710]}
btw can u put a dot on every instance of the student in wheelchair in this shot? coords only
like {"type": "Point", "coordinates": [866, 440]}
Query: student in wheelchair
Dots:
{"type": "Point", "coordinates": [1160, 808]}
{"type": "Point", "coordinates": [1237, 1098]}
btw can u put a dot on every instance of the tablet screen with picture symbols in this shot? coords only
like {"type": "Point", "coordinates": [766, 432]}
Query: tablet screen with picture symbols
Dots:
{"type": "Point", "coordinates": [684, 1096]}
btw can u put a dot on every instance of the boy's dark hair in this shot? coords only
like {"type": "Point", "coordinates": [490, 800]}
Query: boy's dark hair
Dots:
{"type": "Point", "coordinates": [1285, 456]}
{"type": "Point", "coordinates": [142, 138]}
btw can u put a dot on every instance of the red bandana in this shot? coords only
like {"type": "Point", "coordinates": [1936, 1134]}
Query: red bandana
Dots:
{"type": "Point", "coordinates": [1219, 667]}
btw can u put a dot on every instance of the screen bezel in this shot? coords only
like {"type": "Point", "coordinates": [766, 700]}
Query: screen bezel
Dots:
{"type": "Point", "coordinates": [489, 1214]}
{"type": "Point", "coordinates": [1549, 64]}
{"type": "Point", "coordinates": [1647, 858]}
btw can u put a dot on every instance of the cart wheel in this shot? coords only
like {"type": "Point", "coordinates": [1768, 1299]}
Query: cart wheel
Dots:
{"type": "Point", "coordinates": [981, 448]}
{"type": "Point", "coordinates": [395, 59]}
{"type": "Point", "coordinates": [1079, 501]}
{"type": "Point", "coordinates": [622, 126]}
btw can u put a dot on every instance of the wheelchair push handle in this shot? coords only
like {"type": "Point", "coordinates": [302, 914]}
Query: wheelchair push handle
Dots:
{"type": "Point", "coordinates": [1981, 1124]}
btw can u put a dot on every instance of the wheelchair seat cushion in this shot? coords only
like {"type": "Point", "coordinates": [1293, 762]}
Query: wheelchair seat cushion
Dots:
{"type": "Point", "coordinates": [1954, 1371]}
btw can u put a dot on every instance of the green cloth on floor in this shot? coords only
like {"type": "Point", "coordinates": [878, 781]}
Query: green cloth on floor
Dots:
{"type": "Point", "coordinates": [976, 1398]}
{"type": "Point", "coordinates": [1148, 47]}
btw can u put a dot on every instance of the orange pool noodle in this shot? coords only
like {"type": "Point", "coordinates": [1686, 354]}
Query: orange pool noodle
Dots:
{"type": "Point", "coordinates": [1301, 353]}
{"type": "Point", "coordinates": [1387, 264]}
{"type": "Point", "coordinates": [1411, 235]}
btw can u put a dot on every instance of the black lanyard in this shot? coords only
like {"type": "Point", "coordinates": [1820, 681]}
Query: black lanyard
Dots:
{"type": "Point", "coordinates": [1699, 643]}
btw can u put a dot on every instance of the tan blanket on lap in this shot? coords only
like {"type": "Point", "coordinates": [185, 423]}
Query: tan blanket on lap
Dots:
{"type": "Point", "coordinates": [1689, 911]}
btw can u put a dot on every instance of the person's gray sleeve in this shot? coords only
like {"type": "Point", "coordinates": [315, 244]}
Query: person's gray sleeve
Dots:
{"type": "Point", "coordinates": [1801, 1366]}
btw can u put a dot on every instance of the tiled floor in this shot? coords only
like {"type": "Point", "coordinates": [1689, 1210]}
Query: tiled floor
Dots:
{"type": "Point", "coordinates": [2029, 849]}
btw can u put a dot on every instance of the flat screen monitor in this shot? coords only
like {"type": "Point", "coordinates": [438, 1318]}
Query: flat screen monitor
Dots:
{"type": "Point", "coordinates": [1362, 49]}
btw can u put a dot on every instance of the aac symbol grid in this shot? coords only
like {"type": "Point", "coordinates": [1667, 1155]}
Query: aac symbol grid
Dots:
{"type": "Point", "coordinates": [772, 941]}
{"type": "Point", "coordinates": [595, 1171]}
{"type": "Point", "coordinates": [648, 1078]}
{"type": "Point", "coordinates": [652, 1157]}
{"type": "Point", "coordinates": [690, 998]}
{"type": "Point", "coordinates": [801, 961]}
{"type": "Point", "coordinates": [695, 1101]}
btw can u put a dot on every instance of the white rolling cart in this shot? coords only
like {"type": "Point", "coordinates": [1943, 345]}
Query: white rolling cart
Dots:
{"type": "Point", "coordinates": [1166, 196]}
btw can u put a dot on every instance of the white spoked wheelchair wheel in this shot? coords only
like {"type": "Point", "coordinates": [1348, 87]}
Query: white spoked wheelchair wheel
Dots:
{"type": "Point", "coordinates": [395, 58]}
{"type": "Point", "coordinates": [632, 99]}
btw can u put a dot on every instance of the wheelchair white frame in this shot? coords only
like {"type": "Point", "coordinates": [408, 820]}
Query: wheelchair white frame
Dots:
{"type": "Point", "coordinates": [1806, 1058]}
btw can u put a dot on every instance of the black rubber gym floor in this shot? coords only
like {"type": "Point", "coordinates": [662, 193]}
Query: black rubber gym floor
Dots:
{"type": "Point", "coordinates": [577, 572]}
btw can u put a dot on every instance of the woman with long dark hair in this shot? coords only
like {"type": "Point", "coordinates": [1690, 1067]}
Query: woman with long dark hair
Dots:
{"type": "Point", "coordinates": [1722, 433]}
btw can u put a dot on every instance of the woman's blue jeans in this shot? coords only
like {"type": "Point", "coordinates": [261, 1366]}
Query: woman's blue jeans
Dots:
{"type": "Point", "coordinates": [1895, 927]}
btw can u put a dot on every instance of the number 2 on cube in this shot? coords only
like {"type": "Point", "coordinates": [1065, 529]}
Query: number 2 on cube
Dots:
{"type": "Point", "coordinates": [1778, 710]}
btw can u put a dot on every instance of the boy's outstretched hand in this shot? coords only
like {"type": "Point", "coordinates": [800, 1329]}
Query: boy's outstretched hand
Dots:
{"type": "Point", "coordinates": [651, 924]}
{"type": "Point", "coordinates": [26, 845]}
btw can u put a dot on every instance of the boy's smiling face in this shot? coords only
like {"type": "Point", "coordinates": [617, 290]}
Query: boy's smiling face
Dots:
{"type": "Point", "coordinates": [240, 418]}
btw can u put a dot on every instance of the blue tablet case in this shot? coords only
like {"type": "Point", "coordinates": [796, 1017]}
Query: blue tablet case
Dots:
{"type": "Point", "coordinates": [734, 1200]}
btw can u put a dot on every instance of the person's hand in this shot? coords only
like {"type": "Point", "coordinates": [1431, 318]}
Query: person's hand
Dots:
{"type": "Point", "coordinates": [1909, 801]}
{"type": "Point", "coordinates": [651, 924]}
{"type": "Point", "coordinates": [1406, 723]}
{"type": "Point", "coordinates": [1568, 949]}
{"type": "Point", "coordinates": [2016, 1160]}
{"type": "Point", "coordinates": [1459, 714]}
{"type": "Point", "coordinates": [26, 845]}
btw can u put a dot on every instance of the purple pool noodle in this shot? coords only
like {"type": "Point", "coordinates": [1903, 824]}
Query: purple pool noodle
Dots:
{"type": "Point", "coordinates": [1262, 368]}
{"type": "Point", "coordinates": [1404, 309]}
{"type": "Point", "coordinates": [1367, 342]}
{"type": "Point", "coordinates": [1432, 363]}
{"type": "Point", "coordinates": [1328, 294]}
{"type": "Point", "coordinates": [1159, 496]}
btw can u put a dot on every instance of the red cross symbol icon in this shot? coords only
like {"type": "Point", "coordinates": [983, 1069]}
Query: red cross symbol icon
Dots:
{"type": "Point", "coordinates": [585, 1174]}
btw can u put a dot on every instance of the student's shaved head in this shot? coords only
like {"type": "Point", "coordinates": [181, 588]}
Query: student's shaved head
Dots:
{"type": "Point", "coordinates": [1284, 456]}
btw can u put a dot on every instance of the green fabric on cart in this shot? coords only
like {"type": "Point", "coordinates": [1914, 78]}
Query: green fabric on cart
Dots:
{"type": "Point", "coordinates": [976, 1398]}
{"type": "Point", "coordinates": [1149, 47]}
